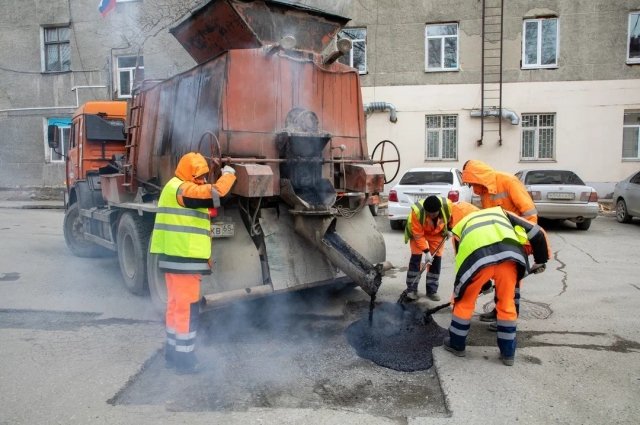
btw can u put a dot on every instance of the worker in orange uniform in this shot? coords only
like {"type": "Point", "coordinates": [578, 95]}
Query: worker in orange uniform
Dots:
{"type": "Point", "coordinates": [490, 245]}
{"type": "Point", "coordinates": [182, 237]}
{"type": "Point", "coordinates": [427, 226]}
{"type": "Point", "coordinates": [498, 189]}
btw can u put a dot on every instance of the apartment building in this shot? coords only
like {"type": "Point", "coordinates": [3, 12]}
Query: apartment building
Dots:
{"type": "Point", "coordinates": [558, 80]}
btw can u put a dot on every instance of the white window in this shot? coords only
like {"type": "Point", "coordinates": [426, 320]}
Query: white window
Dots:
{"type": "Point", "coordinates": [538, 136]}
{"type": "Point", "coordinates": [633, 46]}
{"type": "Point", "coordinates": [128, 66]}
{"type": "Point", "coordinates": [441, 137]}
{"type": "Point", "coordinates": [57, 49]}
{"type": "Point", "coordinates": [540, 43]}
{"type": "Point", "coordinates": [64, 128]}
{"type": "Point", "coordinates": [441, 47]}
{"type": "Point", "coordinates": [357, 57]}
{"type": "Point", "coordinates": [631, 136]}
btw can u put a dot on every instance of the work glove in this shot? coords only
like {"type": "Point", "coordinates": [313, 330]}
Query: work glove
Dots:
{"type": "Point", "coordinates": [428, 258]}
{"type": "Point", "coordinates": [226, 169]}
{"type": "Point", "coordinates": [538, 268]}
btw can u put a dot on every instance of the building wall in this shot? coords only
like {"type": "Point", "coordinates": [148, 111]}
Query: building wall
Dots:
{"type": "Point", "coordinates": [589, 90]}
{"type": "Point", "coordinates": [29, 96]}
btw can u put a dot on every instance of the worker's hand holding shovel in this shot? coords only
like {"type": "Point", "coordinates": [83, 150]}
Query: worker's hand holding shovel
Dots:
{"type": "Point", "coordinates": [428, 259]}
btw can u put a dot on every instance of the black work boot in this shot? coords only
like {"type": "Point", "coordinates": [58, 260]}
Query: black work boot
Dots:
{"type": "Point", "coordinates": [447, 346]}
{"type": "Point", "coordinates": [187, 364]}
{"type": "Point", "coordinates": [491, 316]}
{"type": "Point", "coordinates": [169, 356]}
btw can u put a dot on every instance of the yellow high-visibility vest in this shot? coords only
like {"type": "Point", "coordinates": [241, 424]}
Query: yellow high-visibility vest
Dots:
{"type": "Point", "coordinates": [179, 231]}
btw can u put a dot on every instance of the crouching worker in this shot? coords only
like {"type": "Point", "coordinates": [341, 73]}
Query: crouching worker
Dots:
{"type": "Point", "coordinates": [491, 246]}
{"type": "Point", "coordinates": [182, 237]}
{"type": "Point", "coordinates": [427, 226]}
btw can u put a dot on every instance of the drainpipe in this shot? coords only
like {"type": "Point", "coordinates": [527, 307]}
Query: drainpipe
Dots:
{"type": "Point", "coordinates": [382, 107]}
{"type": "Point", "coordinates": [507, 114]}
{"type": "Point", "coordinates": [46, 108]}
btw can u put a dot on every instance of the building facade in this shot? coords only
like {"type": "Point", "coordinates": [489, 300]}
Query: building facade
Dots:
{"type": "Point", "coordinates": [565, 74]}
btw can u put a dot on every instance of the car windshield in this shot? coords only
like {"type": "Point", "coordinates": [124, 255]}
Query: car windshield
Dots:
{"type": "Point", "coordinates": [553, 177]}
{"type": "Point", "coordinates": [427, 177]}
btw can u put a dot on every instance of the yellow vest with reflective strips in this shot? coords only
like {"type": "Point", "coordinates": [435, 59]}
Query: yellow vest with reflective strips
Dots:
{"type": "Point", "coordinates": [483, 228]}
{"type": "Point", "coordinates": [418, 209]}
{"type": "Point", "coordinates": [179, 231]}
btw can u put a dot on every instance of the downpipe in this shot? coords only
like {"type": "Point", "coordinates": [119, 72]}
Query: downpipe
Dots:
{"type": "Point", "coordinates": [320, 231]}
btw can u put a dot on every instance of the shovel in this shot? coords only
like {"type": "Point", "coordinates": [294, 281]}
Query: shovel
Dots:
{"type": "Point", "coordinates": [427, 318]}
{"type": "Point", "coordinates": [424, 266]}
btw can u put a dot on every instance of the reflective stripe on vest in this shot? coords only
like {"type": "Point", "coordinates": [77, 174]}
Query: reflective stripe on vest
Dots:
{"type": "Point", "coordinates": [478, 230]}
{"type": "Point", "coordinates": [418, 209]}
{"type": "Point", "coordinates": [179, 231]}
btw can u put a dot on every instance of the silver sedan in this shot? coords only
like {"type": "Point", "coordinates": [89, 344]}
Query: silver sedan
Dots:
{"type": "Point", "coordinates": [561, 195]}
{"type": "Point", "coordinates": [626, 196]}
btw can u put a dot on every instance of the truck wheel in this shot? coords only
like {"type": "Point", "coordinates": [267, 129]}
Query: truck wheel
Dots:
{"type": "Point", "coordinates": [133, 241]}
{"type": "Point", "coordinates": [157, 284]}
{"type": "Point", "coordinates": [73, 230]}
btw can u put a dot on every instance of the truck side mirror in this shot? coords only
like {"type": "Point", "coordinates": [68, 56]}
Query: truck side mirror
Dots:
{"type": "Point", "coordinates": [53, 137]}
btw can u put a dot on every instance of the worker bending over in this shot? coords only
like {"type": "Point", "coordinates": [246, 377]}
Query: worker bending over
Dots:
{"type": "Point", "coordinates": [498, 189]}
{"type": "Point", "coordinates": [427, 226]}
{"type": "Point", "coordinates": [491, 246]}
{"type": "Point", "coordinates": [182, 237]}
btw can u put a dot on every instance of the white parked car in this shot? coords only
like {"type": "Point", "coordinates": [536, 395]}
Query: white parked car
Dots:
{"type": "Point", "coordinates": [418, 183]}
{"type": "Point", "coordinates": [561, 195]}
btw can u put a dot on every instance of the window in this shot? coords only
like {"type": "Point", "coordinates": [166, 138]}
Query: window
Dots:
{"type": "Point", "coordinates": [540, 43]}
{"type": "Point", "coordinates": [633, 48]}
{"type": "Point", "coordinates": [57, 49]}
{"type": "Point", "coordinates": [357, 57]}
{"type": "Point", "coordinates": [126, 74]}
{"type": "Point", "coordinates": [631, 136]}
{"type": "Point", "coordinates": [538, 134]}
{"type": "Point", "coordinates": [64, 127]}
{"type": "Point", "coordinates": [441, 47]}
{"type": "Point", "coordinates": [442, 137]}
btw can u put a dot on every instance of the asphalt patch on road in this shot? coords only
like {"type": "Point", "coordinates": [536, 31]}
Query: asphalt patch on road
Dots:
{"type": "Point", "coordinates": [289, 352]}
{"type": "Point", "coordinates": [397, 337]}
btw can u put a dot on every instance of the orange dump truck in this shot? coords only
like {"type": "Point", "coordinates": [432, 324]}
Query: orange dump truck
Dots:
{"type": "Point", "coordinates": [267, 99]}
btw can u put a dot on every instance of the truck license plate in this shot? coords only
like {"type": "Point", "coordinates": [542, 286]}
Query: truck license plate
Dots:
{"type": "Point", "coordinates": [560, 195]}
{"type": "Point", "coordinates": [222, 230]}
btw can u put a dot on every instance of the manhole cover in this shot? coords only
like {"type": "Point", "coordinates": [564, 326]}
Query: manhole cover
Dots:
{"type": "Point", "coordinates": [529, 310]}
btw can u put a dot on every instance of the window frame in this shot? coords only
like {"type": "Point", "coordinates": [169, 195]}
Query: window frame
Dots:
{"type": "Point", "coordinates": [349, 55]}
{"type": "Point", "coordinates": [637, 126]}
{"type": "Point", "coordinates": [440, 129]}
{"type": "Point", "coordinates": [442, 40]}
{"type": "Point", "coordinates": [130, 70]}
{"type": "Point", "coordinates": [538, 64]}
{"type": "Point", "coordinates": [65, 143]}
{"type": "Point", "coordinates": [536, 142]}
{"type": "Point", "coordinates": [631, 60]}
{"type": "Point", "coordinates": [45, 44]}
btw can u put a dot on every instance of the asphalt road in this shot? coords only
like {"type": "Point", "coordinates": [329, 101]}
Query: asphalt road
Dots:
{"type": "Point", "coordinates": [78, 348]}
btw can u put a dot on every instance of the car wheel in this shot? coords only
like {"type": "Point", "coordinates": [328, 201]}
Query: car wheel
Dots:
{"type": "Point", "coordinates": [396, 224]}
{"type": "Point", "coordinates": [622, 214]}
{"type": "Point", "coordinates": [584, 225]}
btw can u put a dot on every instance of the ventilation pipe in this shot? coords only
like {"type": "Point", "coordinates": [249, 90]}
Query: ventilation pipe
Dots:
{"type": "Point", "coordinates": [507, 114]}
{"type": "Point", "coordinates": [382, 107]}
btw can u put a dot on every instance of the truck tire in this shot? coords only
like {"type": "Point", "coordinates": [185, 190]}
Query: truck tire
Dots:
{"type": "Point", "coordinates": [133, 242]}
{"type": "Point", "coordinates": [157, 284]}
{"type": "Point", "coordinates": [74, 235]}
